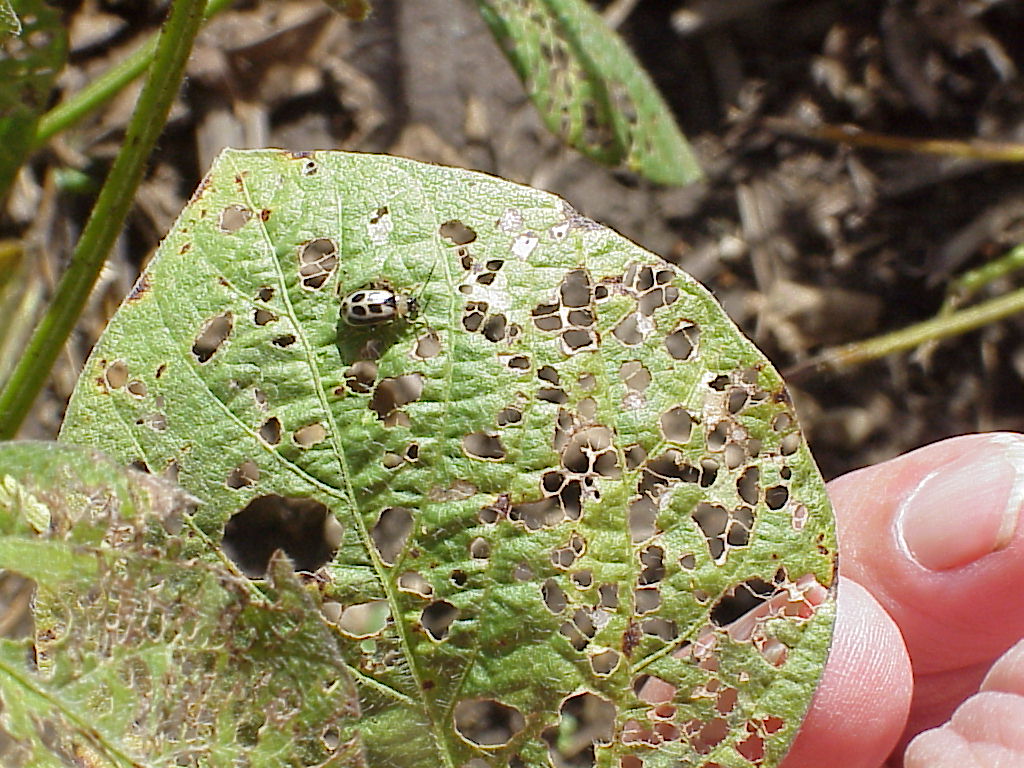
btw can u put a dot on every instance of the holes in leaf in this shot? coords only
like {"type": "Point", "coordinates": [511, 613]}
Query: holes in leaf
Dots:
{"type": "Point", "coordinates": [270, 430]}
{"type": "Point", "coordinates": [473, 315]}
{"type": "Point", "coordinates": [414, 583]}
{"type": "Point", "coordinates": [628, 330]}
{"type": "Point", "coordinates": [427, 346]}
{"type": "Point", "coordinates": [457, 232]}
{"type": "Point", "coordinates": [554, 597]}
{"type": "Point", "coordinates": [302, 527]}
{"type": "Point", "coordinates": [480, 445]}
{"type": "Point", "coordinates": [548, 322]}
{"type": "Point", "coordinates": [317, 261]}
{"type": "Point", "coordinates": [657, 297]}
{"type": "Point", "coordinates": [364, 619]}
{"type": "Point", "coordinates": [608, 596]}
{"type": "Point", "coordinates": [740, 600]}
{"type": "Point", "coordinates": [575, 289]}
{"type": "Point", "coordinates": [571, 632]}
{"type": "Point", "coordinates": [266, 293]}
{"type": "Point", "coordinates": [585, 720]}
{"type": "Point", "coordinates": [137, 388]}
{"type": "Point", "coordinates": [487, 722]}
{"type": "Point", "coordinates": [647, 599]}
{"type": "Point", "coordinates": [719, 383]}
{"type": "Point", "coordinates": [748, 485]}
{"type": "Point", "coordinates": [776, 496]}
{"type": "Point", "coordinates": [581, 317]}
{"type": "Point", "coordinates": [635, 455]}
{"type": "Point", "coordinates": [717, 437]}
{"type": "Point", "coordinates": [676, 424]}
{"type": "Point", "coordinates": [552, 395]}
{"type": "Point", "coordinates": [245, 474]}
{"type": "Point", "coordinates": [284, 341]}
{"type": "Point", "coordinates": [157, 421]}
{"type": "Point", "coordinates": [583, 579]}
{"type": "Point", "coordinates": [789, 444]}
{"type": "Point", "coordinates": [604, 662]}
{"type": "Point", "coordinates": [522, 572]}
{"type": "Point", "coordinates": [494, 328]}
{"type": "Point", "coordinates": [263, 316]}
{"type": "Point", "coordinates": [688, 562]}
{"type": "Point", "coordinates": [585, 622]}
{"type": "Point", "coordinates": [479, 548]}
{"type": "Point", "coordinates": [590, 451]}
{"type": "Point", "coordinates": [576, 340]}
{"type": "Point", "coordinates": [492, 513]}
{"type": "Point", "coordinates": [437, 618]}
{"type": "Point", "coordinates": [548, 374]}
{"type": "Point", "coordinates": [723, 529]}
{"type": "Point", "coordinates": [660, 628]}
{"type": "Point", "coordinates": [651, 559]}
{"type": "Point", "coordinates": [309, 435]}
{"type": "Point", "coordinates": [635, 376]}
{"type": "Point", "coordinates": [233, 218]}
{"type": "Point", "coordinates": [518, 362]}
{"type": "Point", "coordinates": [393, 393]}
{"type": "Point", "coordinates": [213, 333]}
{"type": "Point", "coordinates": [682, 342]}
{"type": "Point", "coordinates": [361, 375]}
{"type": "Point", "coordinates": [736, 400]}
{"type": "Point", "coordinates": [510, 415]}
{"type": "Point", "coordinates": [390, 532]}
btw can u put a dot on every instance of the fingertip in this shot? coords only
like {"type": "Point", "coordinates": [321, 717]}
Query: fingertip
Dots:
{"type": "Point", "coordinates": [865, 689]}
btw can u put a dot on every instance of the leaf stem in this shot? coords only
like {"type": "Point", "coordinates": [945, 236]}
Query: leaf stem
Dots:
{"type": "Point", "coordinates": [941, 327]}
{"type": "Point", "coordinates": [106, 86]}
{"type": "Point", "coordinates": [115, 199]}
{"type": "Point", "coordinates": [973, 149]}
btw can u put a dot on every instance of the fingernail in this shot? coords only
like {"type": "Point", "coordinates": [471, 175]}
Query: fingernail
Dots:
{"type": "Point", "coordinates": [967, 508]}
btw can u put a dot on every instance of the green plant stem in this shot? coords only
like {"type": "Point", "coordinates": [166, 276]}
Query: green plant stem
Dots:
{"type": "Point", "coordinates": [105, 87]}
{"type": "Point", "coordinates": [970, 282]}
{"type": "Point", "coordinates": [172, 50]}
{"type": "Point", "coordinates": [941, 327]}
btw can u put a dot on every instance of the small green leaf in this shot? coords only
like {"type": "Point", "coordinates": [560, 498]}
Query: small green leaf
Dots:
{"type": "Point", "coordinates": [589, 88]}
{"type": "Point", "coordinates": [10, 24]}
{"type": "Point", "coordinates": [30, 61]}
{"type": "Point", "coordinates": [566, 507]}
{"type": "Point", "coordinates": [19, 500]}
{"type": "Point", "coordinates": [149, 651]}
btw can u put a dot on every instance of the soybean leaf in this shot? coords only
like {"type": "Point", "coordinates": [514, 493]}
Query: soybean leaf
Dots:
{"type": "Point", "coordinates": [30, 61]}
{"type": "Point", "coordinates": [10, 24]}
{"type": "Point", "coordinates": [578, 521]}
{"type": "Point", "coordinates": [148, 650]}
{"type": "Point", "coordinates": [589, 88]}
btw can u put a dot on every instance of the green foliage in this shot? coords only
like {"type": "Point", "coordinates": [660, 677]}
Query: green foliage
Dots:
{"type": "Point", "coordinates": [10, 24]}
{"type": "Point", "coordinates": [33, 48]}
{"type": "Point", "coordinates": [553, 489]}
{"type": "Point", "coordinates": [150, 649]}
{"type": "Point", "coordinates": [589, 88]}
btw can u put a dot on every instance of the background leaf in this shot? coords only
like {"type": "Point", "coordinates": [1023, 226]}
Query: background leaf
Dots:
{"type": "Point", "coordinates": [29, 64]}
{"type": "Point", "coordinates": [10, 24]}
{"type": "Point", "coordinates": [149, 651]}
{"type": "Point", "coordinates": [577, 518]}
{"type": "Point", "coordinates": [589, 88]}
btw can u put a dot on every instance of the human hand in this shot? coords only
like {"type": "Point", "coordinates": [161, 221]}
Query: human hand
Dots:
{"type": "Point", "coordinates": [931, 562]}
